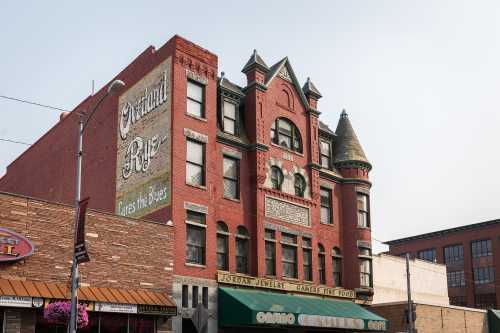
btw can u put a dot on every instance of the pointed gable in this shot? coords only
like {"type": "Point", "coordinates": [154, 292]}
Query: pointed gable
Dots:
{"type": "Point", "coordinates": [346, 146]}
{"type": "Point", "coordinates": [284, 70]}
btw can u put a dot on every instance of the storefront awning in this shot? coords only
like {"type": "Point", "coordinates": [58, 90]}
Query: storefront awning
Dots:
{"type": "Point", "coordinates": [494, 320]}
{"type": "Point", "coordinates": [247, 307]}
{"type": "Point", "coordinates": [95, 294]}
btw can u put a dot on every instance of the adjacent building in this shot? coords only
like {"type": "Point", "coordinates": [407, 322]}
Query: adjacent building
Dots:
{"type": "Point", "coordinates": [427, 280]}
{"type": "Point", "coordinates": [125, 287]}
{"type": "Point", "coordinates": [264, 198]}
{"type": "Point", "coordinates": [471, 254]}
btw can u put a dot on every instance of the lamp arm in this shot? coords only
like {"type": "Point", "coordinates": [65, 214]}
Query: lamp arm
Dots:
{"type": "Point", "coordinates": [93, 111]}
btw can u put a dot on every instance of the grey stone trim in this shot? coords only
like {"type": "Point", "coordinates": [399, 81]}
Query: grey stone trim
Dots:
{"type": "Point", "coordinates": [362, 189]}
{"type": "Point", "coordinates": [314, 166]}
{"type": "Point", "coordinates": [232, 142]}
{"type": "Point", "coordinates": [231, 153]}
{"type": "Point", "coordinates": [258, 85]}
{"type": "Point", "coordinates": [280, 228]}
{"type": "Point", "coordinates": [326, 185]}
{"type": "Point", "coordinates": [365, 244]}
{"type": "Point", "coordinates": [195, 135]}
{"type": "Point", "coordinates": [259, 146]}
{"type": "Point", "coordinates": [313, 112]}
{"type": "Point", "coordinates": [196, 77]}
{"type": "Point", "coordinates": [353, 164]}
{"type": "Point", "coordinates": [326, 135]}
{"type": "Point", "coordinates": [195, 207]}
{"type": "Point", "coordinates": [329, 176]}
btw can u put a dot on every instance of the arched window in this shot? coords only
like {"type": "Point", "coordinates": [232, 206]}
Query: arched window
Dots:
{"type": "Point", "coordinates": [276, 177]}
{"type": "Point", "coordinates": [337, 266]}
{"type": "Point", "coordinates": [222, 246]}
{"type": "Point", "coordinates": [286, 134]}
{"type": "Point", "coordinates": [321, 264]}
{"type": "Point", "coordinates": [242, 238]}
{"type": "Point", "coordinates": [299, 184]}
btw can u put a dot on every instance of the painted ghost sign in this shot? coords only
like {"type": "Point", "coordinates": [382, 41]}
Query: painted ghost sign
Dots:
{"type": "Point", "coordinates": [14, 246]}
{"type": "Point", "coordinates": [144, 140]}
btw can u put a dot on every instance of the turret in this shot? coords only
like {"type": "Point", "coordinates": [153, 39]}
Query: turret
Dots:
{"type": "Point", "coordinates": [312, 94]}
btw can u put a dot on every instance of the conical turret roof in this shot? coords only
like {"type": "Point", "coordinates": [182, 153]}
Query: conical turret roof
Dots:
{"type": "Point", "coordinates": [346, 146]}
{"type": "Point", "coordinates": [255, 61]}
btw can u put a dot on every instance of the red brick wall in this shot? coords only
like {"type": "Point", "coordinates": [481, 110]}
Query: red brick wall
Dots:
{"type": "Point", "coordinates": [125, 253]}
{"type": "Point", "coordinates": [465, 238]}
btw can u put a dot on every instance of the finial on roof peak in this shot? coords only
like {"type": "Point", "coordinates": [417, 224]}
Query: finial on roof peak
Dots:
{"type": "Point", "coordinates": [255, 61]}
{"type": "Point", "coordinates": [344, 114]}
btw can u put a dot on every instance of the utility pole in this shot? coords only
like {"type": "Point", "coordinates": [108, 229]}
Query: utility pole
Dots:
{"type": "Point", "coordinates": [408, 288]}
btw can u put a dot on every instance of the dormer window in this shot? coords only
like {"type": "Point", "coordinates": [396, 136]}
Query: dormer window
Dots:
{"type": "Point", "coordinates": [230, 118]}
{"type": "Point", "coordinates": [286, 134]}
{"type": "Point", "coordinates": [325, 157]}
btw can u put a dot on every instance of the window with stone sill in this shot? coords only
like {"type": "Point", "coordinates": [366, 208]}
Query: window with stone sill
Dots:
{"type": "Point", "coordinates": [337, 267]}
{"type": "Point", "coordinates": [325, 154]}
{"type": "Point", "coordinates": [242, 250]}
{"type": "Point", "coordinates": [276, 177]}
{"type": "Point", "coordinates": [286, 134]}
{"type": "Point", "coordinates": [270, 244]}
{"type": "Point", "coordinates": [230, 119]}
{"type": "Point", "coordinates": [195, 99]}
{"type": "Point", "coordinates": [299, 184]}
{"type": "Point", "coordinates": [363, 211]}
{"type": "Point", "coordinates": [326, 205]}
{"type": "Point", "coordinates": [195, 163]}
{"type": "Point", "coordinates": [195, 244]}
{"type": "Point", "coordinates": [307, 258]}
{"type": "Point", "coordinates": [321, 264]}
{"type": "Point", "coordinates": [365, 273]}
{"type": "Point", "coordinates": [231, 174]}
{"type": "Point", "coordinates": [222, 246]}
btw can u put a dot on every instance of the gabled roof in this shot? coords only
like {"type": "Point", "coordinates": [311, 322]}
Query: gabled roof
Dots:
{"type": "Point", "coordinates": [275, 70]}
{"type": "Point", "coordinates": [255, 61]}
{"type": "Point", "coordinates": [347, 147]}
{"type": "Point", "coordinates": [324, 127]}
{"type": "Point", "coordinates": [310, 88]}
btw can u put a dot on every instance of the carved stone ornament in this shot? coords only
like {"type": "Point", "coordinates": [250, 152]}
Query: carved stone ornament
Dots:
{"type": "Point", "coordinates": [284, 74]}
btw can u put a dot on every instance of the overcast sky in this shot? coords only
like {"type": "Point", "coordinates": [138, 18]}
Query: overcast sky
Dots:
{"type": "Point", "coordinates": [419, 79]}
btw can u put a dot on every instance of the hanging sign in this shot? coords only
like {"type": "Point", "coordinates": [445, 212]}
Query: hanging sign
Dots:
{"type": "Point", "coordinates": [16, 301]}
{"type": "Point", "coordinates": [14, 246]}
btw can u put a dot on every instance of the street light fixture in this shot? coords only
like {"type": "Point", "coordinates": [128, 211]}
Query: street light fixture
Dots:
{"type": "Point", "coordinates": [113, 88]}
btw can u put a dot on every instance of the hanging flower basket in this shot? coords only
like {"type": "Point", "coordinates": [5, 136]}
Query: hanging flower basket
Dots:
{"type": "Point", "coordinates": [59, 313]}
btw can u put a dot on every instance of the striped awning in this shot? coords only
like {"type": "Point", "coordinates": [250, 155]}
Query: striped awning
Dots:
{"type": "Point", "coordinates": [52, 290]}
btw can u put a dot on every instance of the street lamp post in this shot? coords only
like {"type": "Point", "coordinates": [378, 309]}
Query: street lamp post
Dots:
{"type": "Point", "coordinates": [113, 88]}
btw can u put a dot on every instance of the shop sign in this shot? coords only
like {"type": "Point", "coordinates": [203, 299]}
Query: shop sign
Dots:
{"type": "Point", "coordinates": [144, 144]}
{"type": "Point", "coordinates": [279, 318]}
{"type": "Point", "coordinates": [89, 305]}
{"type": "Point", "coordinates": [115, 307]}
{"type": "Point", "coordinates": [248, 281]}
{"type": "Point", "coordinates": [330, 322]}
{"type": "Point", "coordinates": [16, 301]}
{"type": "Point", "coordinates": [159, 310]}
{"type": "Point", "coordinates": [14, 246]}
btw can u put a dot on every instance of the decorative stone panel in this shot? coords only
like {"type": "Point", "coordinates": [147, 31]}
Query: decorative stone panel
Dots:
{"type": "Point", "coordinates": [195, 207]}
{"type": "Point", "coordinates": [195, 135]}
{"type": "Point", "coordinates": [287, 211]}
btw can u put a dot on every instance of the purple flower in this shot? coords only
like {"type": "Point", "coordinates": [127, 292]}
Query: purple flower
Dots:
{"type": "Point", "coordinates": [59, 312]}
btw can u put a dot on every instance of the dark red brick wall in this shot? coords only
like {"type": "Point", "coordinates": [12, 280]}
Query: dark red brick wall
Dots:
{"type": "Point", "coordinates": [125, 253]}
{"type": "Point", "coordinates": [465, 238]}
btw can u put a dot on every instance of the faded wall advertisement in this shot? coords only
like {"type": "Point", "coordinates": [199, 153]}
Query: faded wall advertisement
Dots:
{"type": "Point", "coordinates": [144, 139]}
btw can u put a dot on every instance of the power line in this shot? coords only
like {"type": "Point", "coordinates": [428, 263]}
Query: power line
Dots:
{"type": "Point", "coordinates": [33, 103]}
{"type": "Point", "coordinates": [16, 141]}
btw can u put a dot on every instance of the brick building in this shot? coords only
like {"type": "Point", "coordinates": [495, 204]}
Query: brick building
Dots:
{"type": "Point", "coordinates": [125, 286]}
{"type": "Point", "coordinates": [259, 191]}
{"type": "Point", "coordinates": [471, 254]}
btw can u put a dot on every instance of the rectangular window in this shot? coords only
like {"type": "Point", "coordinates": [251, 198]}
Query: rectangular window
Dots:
{"type": "Point", "coordinates": [363, 211]}
{"type": "Point", "coordinates": [231, 178]}
{"type": "Point", "coordinates": [185, 296]}
{"type": "Point", "coordinates": [453, 254]}
{"type": "Point", "coordinates": [456, 279]}
{"type": "Point", "coordinates": [230, 124]}
{"type": "Point", "coordinates": [337, 271]}
{"type": "Point", "coordinates": [195, 297]}
{"type": "Point", "coordinates": [365, 272]}
{"type": "Point", "coordinates": [222, 252]}
{"type": "Point", "coordinates": [270, 244]}
{"type": "Point", "coordinates": [195, 237]}
{"type": "Point", "coordinates": [321, 268]}
{"type": "Point", "coordinates": [428, 255]}
{"type": "Point", "coordinates": [484, 275]}
{"type": "Point", "coordinates": [242, 255]}
{"type": "Point", "coordinates": [326, 205]}
{"type": "Point", "coordinates": [195, 163]}
{"type": "Point", "coordinates": [204, 297]}
{"type": "Point", "coordinates": [289, 261]}
{"type": "Point", "coordinates": [307, 258]}
{"type": "Point", "coordinates": [195, 99]}
{"type": "Point", "coordinates": [325, 154]}
{"type": "Point", "coordinates": [481, 248]}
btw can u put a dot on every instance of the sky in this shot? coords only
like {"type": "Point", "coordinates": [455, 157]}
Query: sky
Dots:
{"type": "Point", "coordinates": [419, 79]}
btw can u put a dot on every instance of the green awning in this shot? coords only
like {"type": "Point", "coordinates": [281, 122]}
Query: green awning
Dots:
{"type": "Point", "coordinates": [494, 321]}
{"type": "Point", "coordinates": [248, 307]}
